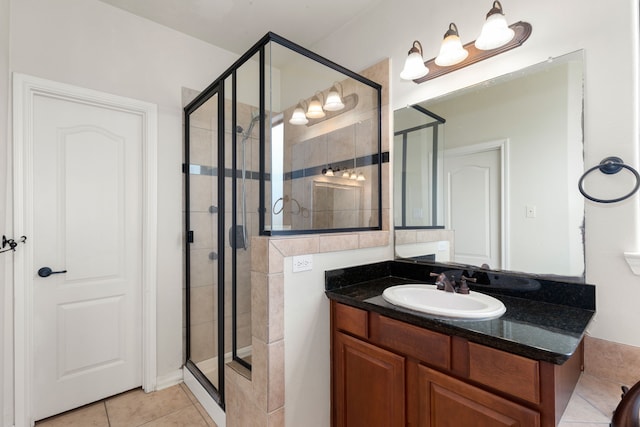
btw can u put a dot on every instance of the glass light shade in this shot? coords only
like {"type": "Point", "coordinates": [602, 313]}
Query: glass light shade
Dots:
{"type": "Point", "coordinates": [353, 176]}
{"type": "Point", "coordinates": [298, 117]}
{"type": "Point", "coordinates": [361, 177]}
{"type": "Point", "coordinates": [346, 174]}
{"type": "Point", "coordinates": [315, 109]}
{"type": "Point", "coordinates": [329, 172]}
{"type": "Point", "coordinates": [495, 33]}
{"type": "Point", "coordinates": [334, 101]}
{"type": "Point", "coordinates": [414, 67]}
{"type": "Point", "coordinates": [451, 51]}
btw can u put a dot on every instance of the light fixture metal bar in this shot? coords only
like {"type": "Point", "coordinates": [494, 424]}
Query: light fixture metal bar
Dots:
{"type": "Point", "coordinates": [522, 32]}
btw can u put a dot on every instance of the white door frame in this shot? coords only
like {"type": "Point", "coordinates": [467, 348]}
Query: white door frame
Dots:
{"type": "Point", "coordinates": [24, 89]}
{"type": "Point", "coordinates": [502, 145]}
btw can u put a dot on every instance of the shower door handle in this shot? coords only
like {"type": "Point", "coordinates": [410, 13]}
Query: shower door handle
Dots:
{"type": "Point", "coordinates": [46, 272]}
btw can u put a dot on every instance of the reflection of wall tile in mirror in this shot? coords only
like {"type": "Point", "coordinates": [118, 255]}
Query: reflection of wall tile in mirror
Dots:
{"type": "Point", "coordinates": [366, 144]}
{"type": "Point", "coordinates": [316, 151]}
{"type": "Point", "coordinates": [341, 144]}
{"type": "Point", "coordinates": [346, 219]}
{"type": "Point", "coordinates": [344, 199]}
{"type": "Point", "coordinates": [298, 157]}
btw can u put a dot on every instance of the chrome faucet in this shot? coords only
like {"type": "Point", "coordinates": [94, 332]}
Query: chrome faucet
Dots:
{"type": "Point", "coordinates": [443, 283]}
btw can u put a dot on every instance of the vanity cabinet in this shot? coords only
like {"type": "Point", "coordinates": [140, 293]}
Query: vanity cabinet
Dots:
{"type": "Point", "coordinates": [386, 372]}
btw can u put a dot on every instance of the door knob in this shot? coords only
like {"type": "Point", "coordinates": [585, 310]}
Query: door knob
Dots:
{"type": "Point", "coordinates": [46, 272]}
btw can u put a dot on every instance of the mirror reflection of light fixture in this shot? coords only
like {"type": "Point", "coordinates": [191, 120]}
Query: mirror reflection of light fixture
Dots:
{"type": "Point", "coordinates": [346, 174]}
{"type": "Point", "coordinates": [414, 66]}
{"type": "Point", "coordinates": [495, 31]}
{"type": "Point", "coordinates": [353, 175]}
{"type": "Point", "coordinates": [334, 98]}
{"type": "Point", "coordinates": [328, 171]}
{"type": "Point", "coordinates": [513, 36]}
{"type": "Point", "coordinates": [315, 111]}
{"type": "Point", "coordinates": [298, 117]}
{"type": "Point", "coordinates": [451, 50]}
{"type": "Point", "coordinates": [361, 177]}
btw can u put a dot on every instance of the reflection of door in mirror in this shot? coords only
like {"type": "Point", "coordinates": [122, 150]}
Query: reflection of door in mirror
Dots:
{"type": "Point", "coordinates": [473, 203]}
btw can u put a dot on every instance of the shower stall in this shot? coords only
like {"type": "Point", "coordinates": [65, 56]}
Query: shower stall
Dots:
{"type": "Point", "coordinates": [260, 161]}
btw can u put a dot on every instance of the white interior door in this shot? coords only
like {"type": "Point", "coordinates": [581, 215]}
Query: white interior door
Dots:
{"type": "Point", "coordinates": [473, 206]}
{"type": "Point", "coordinates": [87, 214]}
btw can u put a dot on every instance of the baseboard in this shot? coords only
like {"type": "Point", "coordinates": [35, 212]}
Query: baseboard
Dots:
{"type": "Point", "coordinates": [169, 380]}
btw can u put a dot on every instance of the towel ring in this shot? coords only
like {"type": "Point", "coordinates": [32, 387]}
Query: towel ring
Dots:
{"type": "Point", "coordinates": [610, 166]}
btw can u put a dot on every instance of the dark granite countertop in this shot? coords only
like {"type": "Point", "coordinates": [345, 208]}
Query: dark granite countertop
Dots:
{"type": "Point", "coordinates": [537, 324]}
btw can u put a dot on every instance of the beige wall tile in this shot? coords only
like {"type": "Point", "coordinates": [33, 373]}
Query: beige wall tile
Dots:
{"type": "Point", "coordinates": [276, 308]}
{"type": "Point", "coordinates": [259, 254]}
{"type": "Point", "coordinates": [259, 305]}
{"type": "Point", "coordinates": [337, 242]}
{"type": "Point", "coordinates": [613, 361]}
{"type": "Point", "coordinates": [276, 418]}
{"type": "Point", "coordinates": [296, 246]}
{"type": "Point", "coordinates": [275, 260]}
{"type": "Point", "coordinates": [373, 239]}
{"type": "Point", "coordinates": [275, 394]}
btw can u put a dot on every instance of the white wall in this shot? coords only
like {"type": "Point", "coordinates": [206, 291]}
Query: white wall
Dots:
{"type": "Point", "coordinates": [93, 45]}
{"type": "Point", "coordinates": [532, 112]}
{"type": "Point", "coordinates": [6, 372]}
{"type": "Point", "coordinates": [608, 32]}
{"type": "Point", "coordinates": [307, 335]}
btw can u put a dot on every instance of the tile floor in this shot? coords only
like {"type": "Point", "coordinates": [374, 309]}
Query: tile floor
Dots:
{"type": "Point", "coordinates": [175, 406]}
{"type": "Point", "coordinates": [591, 405]}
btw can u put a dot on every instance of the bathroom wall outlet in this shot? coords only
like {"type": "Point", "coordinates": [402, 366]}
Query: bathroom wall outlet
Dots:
{"type": "Point", "coordinates": [531, 211]}
{"type": "Point", "coordinates": [302, 263]}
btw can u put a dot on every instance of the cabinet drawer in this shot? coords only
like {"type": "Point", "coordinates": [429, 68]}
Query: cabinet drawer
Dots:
{"type": "Point", "coordinates": [506, 372]}
{"type": "Point", "coordinates": [350, 319]}
{"type": "Point", "coordinates": [427, 346]}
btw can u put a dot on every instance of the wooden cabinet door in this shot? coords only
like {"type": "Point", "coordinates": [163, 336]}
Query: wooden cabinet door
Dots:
{"type": "Point", "coordinates": [447, 402]}
{"type": "Point", "coordinates": [368, 384]}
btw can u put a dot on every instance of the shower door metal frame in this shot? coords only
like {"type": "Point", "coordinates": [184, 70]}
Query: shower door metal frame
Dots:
{"type": "Point", "coordinates": [216, 393]}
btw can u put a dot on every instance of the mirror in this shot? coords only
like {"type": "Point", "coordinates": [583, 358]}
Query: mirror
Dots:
{"type": "Point", "coordinates": [511, 158]}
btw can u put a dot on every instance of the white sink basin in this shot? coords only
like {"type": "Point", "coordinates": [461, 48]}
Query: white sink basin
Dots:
{"type": "Point", "coordinates": [428, 299]}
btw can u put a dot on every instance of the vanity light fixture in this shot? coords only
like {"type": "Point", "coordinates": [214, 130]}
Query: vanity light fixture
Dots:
{"type": "Point", "coordinates": [334, 98]}
{"type": "Point", "coordinates": [361, 177]}
{"type": "Point", "coordinates": [495, 38]}
{"type": "Point", "coordinates": [414, 66]}
{"type": "Point", "coordinates": [451, 50]}
{"type": "Point", "coordinates": [315, 111]}
{"type": "Point", "coordinates": [346, 174]}
{"type": "Point", "coordinates": [495, 31]}
{"type": "Point", "coordinates": [298, 116]}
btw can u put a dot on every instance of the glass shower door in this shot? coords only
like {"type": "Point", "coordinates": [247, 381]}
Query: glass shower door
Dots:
{"type": "Point", "coordinates": [205, 321]}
